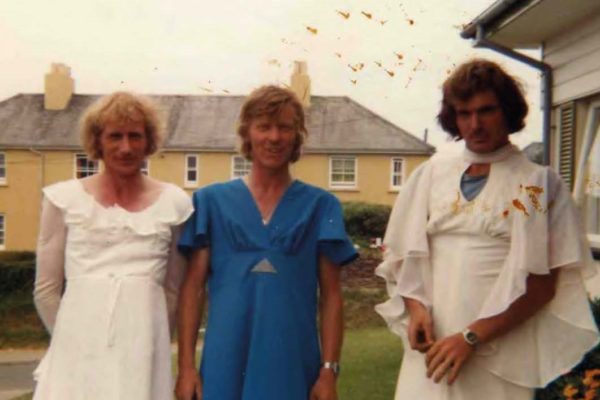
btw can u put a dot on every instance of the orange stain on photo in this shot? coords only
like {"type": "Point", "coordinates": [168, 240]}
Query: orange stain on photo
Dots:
{"type": "Point", "coordinates": [366, 14]}
{"type": "Point", "coordinates": [344, 14]}
{"type": "Point", "coordinates": [312, 30]}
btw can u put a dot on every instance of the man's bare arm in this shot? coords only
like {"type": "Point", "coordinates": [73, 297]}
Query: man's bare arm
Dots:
{"type": "Point", "coordinates": [332, 327]}
{"type": "Point", "coordinates": [191, 304]}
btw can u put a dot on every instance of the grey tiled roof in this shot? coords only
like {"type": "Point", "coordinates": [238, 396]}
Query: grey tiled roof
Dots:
{"type": "Point", "coordinates": [207, 123]}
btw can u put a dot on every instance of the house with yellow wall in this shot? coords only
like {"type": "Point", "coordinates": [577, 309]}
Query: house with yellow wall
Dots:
{"type": "Point", "coordinates": [350, 151]}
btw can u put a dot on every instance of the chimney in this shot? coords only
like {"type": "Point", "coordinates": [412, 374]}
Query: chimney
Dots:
{"type": "Point", "coordinates": [300, 82]}
{"type": "Point", "coordinates": [58, 87]}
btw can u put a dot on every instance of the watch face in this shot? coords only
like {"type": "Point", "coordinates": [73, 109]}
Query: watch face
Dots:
{"type": "Point", "coordinates": [471, 337]}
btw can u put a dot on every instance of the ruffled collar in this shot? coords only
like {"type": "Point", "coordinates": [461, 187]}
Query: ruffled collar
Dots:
{"type": "Point", "coordinates": [488, 158]}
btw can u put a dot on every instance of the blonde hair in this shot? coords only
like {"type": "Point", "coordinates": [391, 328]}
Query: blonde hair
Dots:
{"type": "Point", "coordinates": [120, 107]}
{"type": "Point", "coordinates": [270, 100]}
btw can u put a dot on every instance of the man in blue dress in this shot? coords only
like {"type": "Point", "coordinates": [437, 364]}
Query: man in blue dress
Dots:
{"type": "Point", "coordinates": [267, 250]}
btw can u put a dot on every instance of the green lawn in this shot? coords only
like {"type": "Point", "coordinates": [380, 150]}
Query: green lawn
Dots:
{"type": "Point", "coordinates": [370, 364]}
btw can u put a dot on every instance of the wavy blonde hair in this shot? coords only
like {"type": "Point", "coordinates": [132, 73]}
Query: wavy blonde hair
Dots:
{"type": "Point", "coordinates": [120, 107]}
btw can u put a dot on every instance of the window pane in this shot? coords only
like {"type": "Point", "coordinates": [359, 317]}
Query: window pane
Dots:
{"type": "Point", "coordinates": [191, 161]}
{"type": "Point", "coordinates": [397, 166]}
{"type": "Point", "coordinates": [191, 176]}
{"type": "Point", "coordinates": [336, 177]}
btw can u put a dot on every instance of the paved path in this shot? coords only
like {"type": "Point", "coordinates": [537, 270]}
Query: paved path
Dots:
{"type": "Point", "coordinates": [16, 367]}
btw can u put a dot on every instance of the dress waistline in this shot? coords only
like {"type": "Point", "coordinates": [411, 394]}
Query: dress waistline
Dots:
{"type": "Point", "coordinates": [116, 281]}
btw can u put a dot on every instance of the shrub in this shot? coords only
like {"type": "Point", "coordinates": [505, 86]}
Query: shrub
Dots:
{"type": "Point", "coordinates": [364, 220]}
{"type": "Point", "coordinates": [17, 271]}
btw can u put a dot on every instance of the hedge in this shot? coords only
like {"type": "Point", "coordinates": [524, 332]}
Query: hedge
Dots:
{"type": "Point", "coordinates": [364, 220]}
{"type": "Point", "coordinates": [17, 271]}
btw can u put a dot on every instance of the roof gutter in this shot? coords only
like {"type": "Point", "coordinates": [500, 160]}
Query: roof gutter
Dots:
{"type": "Point", "coordinates": [490, 15]}
{"type": "Point", "coordinates": [545, 69]}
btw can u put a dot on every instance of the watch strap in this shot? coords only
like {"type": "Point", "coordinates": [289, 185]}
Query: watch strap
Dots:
{"type": "Point", "coordinates": [334, 366]}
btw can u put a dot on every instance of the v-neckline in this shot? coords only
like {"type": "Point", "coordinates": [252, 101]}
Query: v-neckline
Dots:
{"type": "Point", "coordinates": [481, 192]}
{"type": "Point", "coordinates": [275, 209]}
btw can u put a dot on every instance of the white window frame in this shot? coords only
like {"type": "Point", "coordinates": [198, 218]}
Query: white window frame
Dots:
{"type": "Point", "coordinates": [191, 183]}
{"type": "Point", "coordinates": [343, 185]}
{"type": "Point", "coordinates": [239, 173]}
{"type": "Point", "coordinates": [87, 170]}
{"type": "Point", "coordinates": [3, 168]}
{"type": "Point", "coordinates": [2, 231]}
{"type": "Point", "coordinates": [394, 174]}
{"type": "Point", "coordinates": [592, 127]}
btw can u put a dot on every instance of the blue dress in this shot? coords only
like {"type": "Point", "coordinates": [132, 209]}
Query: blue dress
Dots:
{"type": "Point", "coordinates": [261, 341]}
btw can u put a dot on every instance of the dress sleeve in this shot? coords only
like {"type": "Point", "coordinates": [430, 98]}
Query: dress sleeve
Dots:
{"type": "Point", "coordinates": [196, 231]}
{"type": "Point", "coordinates": [333, 241]}
{"type": "Point", "coordinates": [50, 272]}
{"type": "Point", "coordinates": [175, 272]}
{"type": "Point", "coordinates": [406, 267]}
{"type": "Point", "coordinates": [546, 234]}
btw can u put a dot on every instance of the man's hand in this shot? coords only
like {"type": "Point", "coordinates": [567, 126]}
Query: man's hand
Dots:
{"type": "Point", "coordinates": [420, 327]}
{"type": "Point", "coordinates": [189, 385]}
{"type": "Point", "coordinates": [447, 356]}
{"type": "Point", "coordinates": [324, 388]}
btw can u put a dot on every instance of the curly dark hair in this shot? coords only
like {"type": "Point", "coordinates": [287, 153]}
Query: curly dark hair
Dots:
{"type": "Point", "coordinates": [476, 76]}
{"type": "Point", "coordinates": [270, 100]}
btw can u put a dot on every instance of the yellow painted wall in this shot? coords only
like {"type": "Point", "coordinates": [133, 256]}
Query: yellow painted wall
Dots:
{"type": "Point", "coordinates": [373, 181]}
{"type": "Point", "coordinates": [20, 198]}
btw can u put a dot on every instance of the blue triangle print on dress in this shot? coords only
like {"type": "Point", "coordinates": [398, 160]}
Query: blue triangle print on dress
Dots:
{"type": "Point", "coordinates": [264, 266]}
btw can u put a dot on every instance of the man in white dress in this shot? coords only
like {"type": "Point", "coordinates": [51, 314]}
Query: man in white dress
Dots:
{"type": "Point", "coordinates": [485, 257]}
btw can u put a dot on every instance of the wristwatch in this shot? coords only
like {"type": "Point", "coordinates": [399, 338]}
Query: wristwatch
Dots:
{"type": "Point", "coordinates": [334, 366]}
{"type": "Point", "coordinates": [470, 337]}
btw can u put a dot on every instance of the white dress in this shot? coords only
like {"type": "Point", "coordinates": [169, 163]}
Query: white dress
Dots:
{"type": "Point", "coordinates": [468, 260]}
{"type": "Point", "coordinates": [110, 328]}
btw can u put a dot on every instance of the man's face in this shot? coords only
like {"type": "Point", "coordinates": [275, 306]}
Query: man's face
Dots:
{"type": "Point", "coordinates": [272, 139]}
{"type": "Point", "coordinates": [123, 147]}
{"type": "Point", "coordinates": [481, 123]}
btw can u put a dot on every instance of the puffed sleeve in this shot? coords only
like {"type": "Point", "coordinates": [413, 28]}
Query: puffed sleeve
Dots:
{"type": "Point", "coordinates": [333, 241]}
{"type": "Point", "coordinates": [196, 231]}
{"type": "Point", "coordinates": [406, 267]}
{"type": "Point", "coordinates": [546, 234]}
{"type": "Point", "coordinates": [50, 257]}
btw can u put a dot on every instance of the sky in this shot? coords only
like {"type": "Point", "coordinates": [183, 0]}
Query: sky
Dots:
{"type": "Point", "coordinates": [389, 56]}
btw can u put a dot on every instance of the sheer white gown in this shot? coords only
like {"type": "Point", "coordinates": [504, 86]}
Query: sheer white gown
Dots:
{"type": "Point", "coordinates": [110, 327]}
